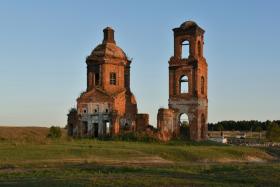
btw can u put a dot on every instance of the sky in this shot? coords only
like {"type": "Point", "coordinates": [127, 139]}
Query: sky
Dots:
{"type": "Point", "coordinates": [43, 46]}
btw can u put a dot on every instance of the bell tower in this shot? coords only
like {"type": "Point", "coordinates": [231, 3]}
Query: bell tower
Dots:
{"type": "Point", "coordinates": [188, 78]}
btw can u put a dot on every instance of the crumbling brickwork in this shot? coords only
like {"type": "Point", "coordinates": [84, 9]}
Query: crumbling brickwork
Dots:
{"type": "Point", "coordinates": [142, 121]}
{"type": "Point", "coordinates": [188, 78]}
{"type": "Point", "coordinates": [107, 106]}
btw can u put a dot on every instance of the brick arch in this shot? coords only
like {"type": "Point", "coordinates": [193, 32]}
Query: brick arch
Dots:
{"type": "Point", "coordinates": [185, 49]}
{"type": "Point", "coordinates": [178, 45]}
{"type": "Point", "coordinates": [184, 110]}
{"type": "Point", "coordinates": [183, 81]}
{"type": "Point", "coordinates": [181, 115]}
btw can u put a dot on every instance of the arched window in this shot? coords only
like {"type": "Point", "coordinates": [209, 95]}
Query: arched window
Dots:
{"type": "Point", "coordinates": [199, 48]}
{"type": "Point", "coordinates": [202, 85]}
{"type": "Point", "coordinates": [184, 120]}
{"type": "Point", "coordinates": [184, 84]}
{"type": "Point", "coordinates": [185, 49]}
{"type": "Point", "coordinates": [113, 78]}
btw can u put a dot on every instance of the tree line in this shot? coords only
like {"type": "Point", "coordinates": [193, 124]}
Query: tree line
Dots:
{"type": "Point", "coordinates": [252, 125]}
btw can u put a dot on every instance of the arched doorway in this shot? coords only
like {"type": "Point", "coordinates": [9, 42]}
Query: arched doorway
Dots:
{"type": "Point", "coordinates": [184, 126]}
{"type": "Point", "coordinates": [95, 130]}
{"type": "Point", "coordinates": [85, 128]}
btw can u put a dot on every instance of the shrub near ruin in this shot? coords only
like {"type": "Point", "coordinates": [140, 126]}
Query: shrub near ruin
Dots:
{"type": "Point", "coordinates": [54, 132]}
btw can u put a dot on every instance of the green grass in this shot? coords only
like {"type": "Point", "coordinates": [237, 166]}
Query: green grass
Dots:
{"type": "Point", "coordinates": [121, 163]}
{"type": "Point", "coordinates": [121, 150]}
{"type": "Point", "coordinates": [176, 175]}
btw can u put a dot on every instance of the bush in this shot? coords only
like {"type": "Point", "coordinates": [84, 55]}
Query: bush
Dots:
{"type": "Point", "coordinates": [54, 132]}
{"type": "Point", "coordinates": [273, 132]}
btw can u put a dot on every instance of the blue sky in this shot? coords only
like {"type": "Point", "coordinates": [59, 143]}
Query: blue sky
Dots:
{"type": "Point", "coordinates": [43, 46]}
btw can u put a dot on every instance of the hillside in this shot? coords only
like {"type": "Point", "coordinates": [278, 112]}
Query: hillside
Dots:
{"type": "Point", "coordinates": [25, 134]}
{"type": "Point", "coordinates": [64, 162]}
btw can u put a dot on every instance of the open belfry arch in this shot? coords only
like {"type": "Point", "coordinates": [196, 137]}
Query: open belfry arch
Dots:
{"type": "Point", "coordinates": [188, 79]}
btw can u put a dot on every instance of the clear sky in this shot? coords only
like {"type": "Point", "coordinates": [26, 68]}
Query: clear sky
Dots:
{"type": "Point", "coordinates": [43, 46]}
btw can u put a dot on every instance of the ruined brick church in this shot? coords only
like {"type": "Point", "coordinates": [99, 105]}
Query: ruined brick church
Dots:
{"type": "Point", "coordinates": [108, 106]}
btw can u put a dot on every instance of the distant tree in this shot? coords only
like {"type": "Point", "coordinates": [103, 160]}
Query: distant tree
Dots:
{"type": "Point", "coordinates": [252, 125]}
{"type": "Point", "coordinates": [72, 110]}
{"type": "Point", "coordinates": [273, 132]}
{"type": "Point", "coordinates": [54, 132]}
{"type": "Point", "coordinates": [220, 127]}
{"type": "Point", "coordinates": [259, 129]}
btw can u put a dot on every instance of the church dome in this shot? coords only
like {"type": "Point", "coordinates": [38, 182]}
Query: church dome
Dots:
{"type": "Point", "coordinates": [188, 25]}
{"type": "Point", "coordinates": [108, 50]}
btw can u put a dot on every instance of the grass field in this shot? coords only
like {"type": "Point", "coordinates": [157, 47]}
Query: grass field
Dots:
{"type": "Point", "coordinates": [28, 158]}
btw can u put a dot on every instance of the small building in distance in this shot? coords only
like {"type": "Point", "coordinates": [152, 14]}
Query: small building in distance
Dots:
{"type": "Point", "coordinates": [108, 106]}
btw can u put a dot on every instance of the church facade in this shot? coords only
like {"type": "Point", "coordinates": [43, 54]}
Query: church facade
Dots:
{"type": "Point", "coordinates": [108, 106]}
